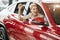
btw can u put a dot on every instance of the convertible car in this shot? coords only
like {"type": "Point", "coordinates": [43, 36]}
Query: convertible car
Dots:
{"type": "Point", "coordinates": [47, 28]}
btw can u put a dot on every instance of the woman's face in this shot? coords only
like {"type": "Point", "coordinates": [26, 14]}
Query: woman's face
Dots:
{"type": "Point", "coordinates": [34, 9]}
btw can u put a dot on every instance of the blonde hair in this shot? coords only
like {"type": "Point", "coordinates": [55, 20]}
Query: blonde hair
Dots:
{"type": "Point", "coordinates": [32, 5]}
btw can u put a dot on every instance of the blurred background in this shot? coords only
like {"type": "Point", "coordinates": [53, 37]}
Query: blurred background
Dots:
{"type": "Point", "coordinates": [5, 3]}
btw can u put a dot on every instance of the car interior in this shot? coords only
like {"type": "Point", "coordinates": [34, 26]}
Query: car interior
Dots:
{"type": "Point", "coordinates": [39, 8]}
{"type": "Point", "coordinates": [28, 10]}
{"type": "Point", "coordinates": [40, 11]}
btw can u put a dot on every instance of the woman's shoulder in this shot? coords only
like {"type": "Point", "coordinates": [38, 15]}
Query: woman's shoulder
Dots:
{"type": "Point", "coordinates": [40, 15]}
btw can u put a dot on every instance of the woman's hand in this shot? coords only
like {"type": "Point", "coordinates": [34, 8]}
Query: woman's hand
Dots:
{"type": "Point", "coordinates": [20, 6]}
{"type": "Point", "coordinates": [20, 18]}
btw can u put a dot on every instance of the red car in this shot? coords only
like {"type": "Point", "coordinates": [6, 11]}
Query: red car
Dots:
{"type": "Point", "coordinates": [46, 28]}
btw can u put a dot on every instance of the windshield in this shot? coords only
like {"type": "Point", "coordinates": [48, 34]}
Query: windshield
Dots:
{"type": "Point", "coordinates": [54, 9]}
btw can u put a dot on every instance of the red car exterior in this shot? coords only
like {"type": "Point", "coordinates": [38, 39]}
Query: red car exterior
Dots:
{"type": "Point", "coordinates": [19, 31]}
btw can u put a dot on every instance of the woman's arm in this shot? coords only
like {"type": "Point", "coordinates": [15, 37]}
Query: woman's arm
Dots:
{"type": "Point", "coordinates": [19, 12]}
{"type": "Point", "coordinates": [27, 16]}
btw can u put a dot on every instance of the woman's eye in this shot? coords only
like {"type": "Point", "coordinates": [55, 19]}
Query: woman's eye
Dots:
{"type": "Point", "coordinates": [33, 9]}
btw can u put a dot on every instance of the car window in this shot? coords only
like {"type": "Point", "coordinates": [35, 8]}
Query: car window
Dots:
{"type": "Point", "coordinates": [40, 12]}
{"type": "Point", "coordinates": [54, 9]}
{"type": "Point", "coordinates": [39, 8]}
{"type": "Point", "coordinates": [16, 8]}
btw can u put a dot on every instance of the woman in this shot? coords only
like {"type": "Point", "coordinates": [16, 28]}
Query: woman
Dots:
{"type": "Point", "coordinates": [32, 14]}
